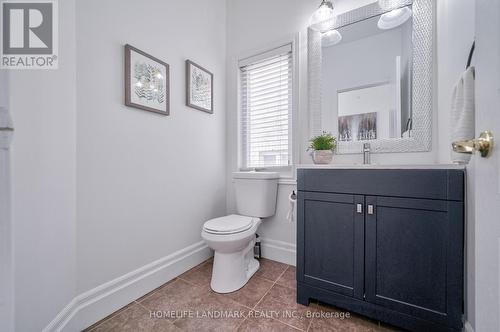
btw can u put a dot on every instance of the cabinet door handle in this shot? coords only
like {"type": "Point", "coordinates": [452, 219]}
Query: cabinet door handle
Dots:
{"type": "Point", "coordinates": [359, 208]}
{"type": "Point", "coordinates": [370, 209]}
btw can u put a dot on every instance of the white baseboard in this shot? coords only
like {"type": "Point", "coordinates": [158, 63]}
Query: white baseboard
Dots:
{"type": "Point", "coordinates": [279, 251]}
{"type": "Point", "coordinates": [468, 327]}
{"type": "Point", "coordinates": [95, 304]}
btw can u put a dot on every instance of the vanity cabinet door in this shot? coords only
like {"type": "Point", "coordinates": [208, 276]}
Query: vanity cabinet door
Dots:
{"type": "Point", "coordinates": [331, 242]}
{"type": "Point", "coordinates": [414, 255]}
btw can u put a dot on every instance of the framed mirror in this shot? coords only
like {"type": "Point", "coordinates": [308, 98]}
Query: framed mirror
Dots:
{"type": "Point", "coordinates": [370, 77]}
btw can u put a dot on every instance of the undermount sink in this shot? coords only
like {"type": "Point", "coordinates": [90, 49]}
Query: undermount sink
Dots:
{"type": "Point", "coordinates": [380, 166]}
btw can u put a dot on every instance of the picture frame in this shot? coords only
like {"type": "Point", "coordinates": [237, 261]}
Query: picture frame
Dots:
{"type": "Point", "coordinates": [147, 81]}
{"type": "Point", "coordinates": [357, 127]}
{"type": "Point", "coordinates": [199, 87]}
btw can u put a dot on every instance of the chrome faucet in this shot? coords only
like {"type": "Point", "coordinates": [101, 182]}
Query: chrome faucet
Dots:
{"type": "Point", "coordinates": [366, 153]}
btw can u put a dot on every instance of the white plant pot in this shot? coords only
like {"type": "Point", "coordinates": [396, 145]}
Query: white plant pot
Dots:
{"type": "Point", "coordinates": [322, 156]}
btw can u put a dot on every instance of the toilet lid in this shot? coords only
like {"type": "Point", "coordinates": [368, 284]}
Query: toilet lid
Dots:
{"type": "Point", "coordinates": [229, 224]}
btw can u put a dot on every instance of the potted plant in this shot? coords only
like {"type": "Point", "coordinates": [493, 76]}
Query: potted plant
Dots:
{"type": "Point", "coordinates": [323, 146]}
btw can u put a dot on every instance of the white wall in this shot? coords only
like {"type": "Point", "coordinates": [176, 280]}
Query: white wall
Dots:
{"type": "Point", "coordinates": [146, 182]}
{"type": "Point", "coordinates": [42, 104]}
{"type": "Point", "coordinates": [454, 38]}
{"type": "Point", "coordinates": [6, 248]}
{"type": "Point", "coordinates": [455, 35]}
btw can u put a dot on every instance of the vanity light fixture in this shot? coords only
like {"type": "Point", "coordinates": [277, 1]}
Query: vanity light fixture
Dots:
{"type": "Point", "coordinates": [323, 18]}
{"type": "Point", "coordinates": [388, 5]}
{"type": "Point", "coordinates": [330, 38]}
{"type": "Point", "coordinates": [394, 18]}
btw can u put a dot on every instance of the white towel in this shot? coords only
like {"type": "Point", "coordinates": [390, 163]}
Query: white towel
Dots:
{"type": "Point", "coordinates": [462, 113]}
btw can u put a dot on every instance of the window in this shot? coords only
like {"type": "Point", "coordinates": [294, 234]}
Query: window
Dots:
{"type": "Point", "coordinates": [266, 108]}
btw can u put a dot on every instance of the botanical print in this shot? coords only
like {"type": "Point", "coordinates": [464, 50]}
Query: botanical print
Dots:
{"type": "Point", "coordinates": [201, 88]}
{"type": "Point", "coordinates": [149, 82]}
{"type": "Point", "coordinates": [358, 127]}
{"type": "Point", "coordinates": [146, 81]}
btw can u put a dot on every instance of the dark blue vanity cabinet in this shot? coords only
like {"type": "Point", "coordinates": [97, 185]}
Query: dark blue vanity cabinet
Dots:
{"type": "Point", "coordinates": [387, 244]}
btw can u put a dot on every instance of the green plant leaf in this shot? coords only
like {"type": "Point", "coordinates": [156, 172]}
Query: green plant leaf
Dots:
{"type": "Point", "coordinates": [325, 141]}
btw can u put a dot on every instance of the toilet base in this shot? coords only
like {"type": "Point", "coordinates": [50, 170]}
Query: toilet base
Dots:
{"type": "Point", "coordinates": [231, 271]}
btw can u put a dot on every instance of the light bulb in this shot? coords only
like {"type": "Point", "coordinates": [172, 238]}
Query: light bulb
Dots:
{"type": "Point", "coordinates": [394, 18]}
{"type": "Point", "coordinates": [330, 38]}
{"type": "Point", "coordinates": [323, 18]}
{"type": "Point", "coordinates": [138, 84]}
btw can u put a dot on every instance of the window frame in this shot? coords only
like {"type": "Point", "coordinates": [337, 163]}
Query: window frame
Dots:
{"type": "Point", "coordinates": [292, 126]}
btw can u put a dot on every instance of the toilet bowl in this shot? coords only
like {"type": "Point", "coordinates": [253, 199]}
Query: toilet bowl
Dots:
{"type": "Point", "coordinates": [232, 237]}
{"type": "Point", "coordinates": [234, 262]}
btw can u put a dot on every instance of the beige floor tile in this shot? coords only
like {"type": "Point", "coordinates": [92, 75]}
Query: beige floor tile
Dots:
{"type": "Point", "coordinates": [200, 275]}
{"type": "Point", "coordinates": [264, 325]}
{"type": "Point", "coordinates": [211, 312]}
{"type": "Point", "coordinates": [288, 279]}
{"type": "Point", "coordinates": [188, 304]}
{"type": "Point", "coordinates": [116, 313]}
{"type": "Point", "coordinates": [174, 299]}
{"type": "Point", "coordinates": [294, 314]}
{"type": "Point", "coordinates": [252, 292]}
{"type": "Point", "coordinates": [339, 320]}
{"type": "Point", "coordinates": [270, 270]}
{"type": "Point", "coordinates": [155, 290]}
{"type": "Point", "coordinates": [135, 319]}
{"type": "Point", "coordinates": [346, 325]}
{"type": "Point", "coordinates": [283, 294]}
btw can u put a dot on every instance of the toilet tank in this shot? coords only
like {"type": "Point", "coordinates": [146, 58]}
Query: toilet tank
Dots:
{"type": "Point", "coordinates": [256, 193]}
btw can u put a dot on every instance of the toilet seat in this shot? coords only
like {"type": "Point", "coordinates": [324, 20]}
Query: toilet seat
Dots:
{"type": "Point", "coordinates": [230, 224]}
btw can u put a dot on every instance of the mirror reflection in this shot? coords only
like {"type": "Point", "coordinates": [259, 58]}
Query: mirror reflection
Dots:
{"type": "Point", "coordinates": [366, 80]}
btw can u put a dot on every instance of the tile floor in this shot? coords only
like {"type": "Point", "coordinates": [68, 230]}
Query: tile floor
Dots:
{"type": "Point", "coordinates": [265, 303]}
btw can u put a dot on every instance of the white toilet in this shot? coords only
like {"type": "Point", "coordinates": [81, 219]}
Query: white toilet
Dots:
{"type": "Point", "coordinates": [233, 237]}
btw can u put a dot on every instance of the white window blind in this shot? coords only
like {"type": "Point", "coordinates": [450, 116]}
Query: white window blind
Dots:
{"type": "Point", "coordinates": [266, 108]}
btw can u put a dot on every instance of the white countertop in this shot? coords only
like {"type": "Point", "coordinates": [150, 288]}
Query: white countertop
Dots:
{"type": "Point", "coordinates": [377, 166]}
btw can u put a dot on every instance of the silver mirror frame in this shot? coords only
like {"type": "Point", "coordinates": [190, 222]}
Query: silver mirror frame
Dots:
{"type": "Point", "coordinates": [420, 139]}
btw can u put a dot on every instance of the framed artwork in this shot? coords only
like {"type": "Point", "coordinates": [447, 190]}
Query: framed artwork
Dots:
{"type": "Point", "coordinates": [147, 82]}
{"type": "Point", "coordinates": [199, 87]}
{"type": "Point", "coordinates": [358, 127]}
